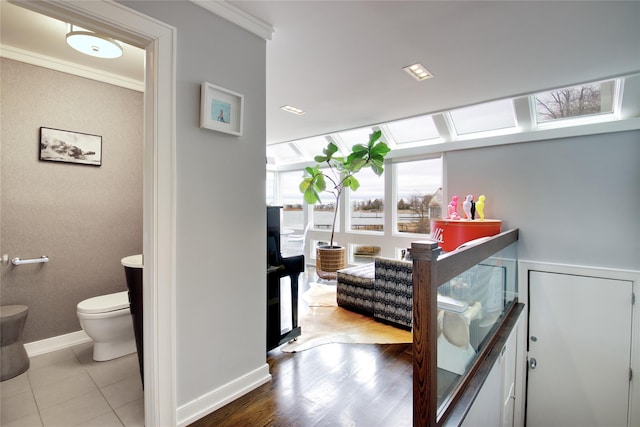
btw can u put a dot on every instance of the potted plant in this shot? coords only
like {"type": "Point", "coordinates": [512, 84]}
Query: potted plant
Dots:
{"type": "Point", "coordinates": [332, 174]}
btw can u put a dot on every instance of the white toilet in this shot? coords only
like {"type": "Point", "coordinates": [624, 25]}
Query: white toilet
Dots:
{"type": "Point", "coordinates": [107, 321]}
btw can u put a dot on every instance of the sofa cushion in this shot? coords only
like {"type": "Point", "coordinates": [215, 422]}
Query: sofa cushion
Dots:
{"type": "Point", "coordinates": [393, 292]}
{"type": "Point", "coordinates": [355, 288]}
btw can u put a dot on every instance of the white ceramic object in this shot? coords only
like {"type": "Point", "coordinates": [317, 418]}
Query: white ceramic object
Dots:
{"type": "Point", "coordinates": [134, 261]}
{"type": "Point", "coordinates": [107, 321]}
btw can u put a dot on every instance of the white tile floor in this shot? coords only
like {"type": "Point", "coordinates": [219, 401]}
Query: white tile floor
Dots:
{"type": "Point", "coordinates": [67, 388]}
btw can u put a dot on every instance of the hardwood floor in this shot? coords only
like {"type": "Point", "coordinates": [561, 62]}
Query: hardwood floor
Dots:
{"type": "Point", "coordinates": [330, 385]}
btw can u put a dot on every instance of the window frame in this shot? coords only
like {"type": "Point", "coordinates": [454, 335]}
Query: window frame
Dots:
{"type": "Point", "coordinates": [395, 193]}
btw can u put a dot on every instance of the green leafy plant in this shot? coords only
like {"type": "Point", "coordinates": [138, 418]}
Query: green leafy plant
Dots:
{"type": "Point", "coordinates": [332, 174]}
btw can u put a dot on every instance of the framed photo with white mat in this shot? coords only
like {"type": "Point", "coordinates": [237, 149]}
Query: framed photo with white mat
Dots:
{"type": "Point", "coordinates": [221, 109]}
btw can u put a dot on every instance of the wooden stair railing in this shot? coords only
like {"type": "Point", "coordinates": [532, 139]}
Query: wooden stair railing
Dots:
{"type": "Point", "coordinates": [431, 269]}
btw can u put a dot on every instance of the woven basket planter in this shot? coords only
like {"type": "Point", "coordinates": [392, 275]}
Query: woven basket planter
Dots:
{"type": "Point", "coordinates": [329, 260]}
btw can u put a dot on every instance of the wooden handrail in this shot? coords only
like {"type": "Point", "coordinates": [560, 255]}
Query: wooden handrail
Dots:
{"type": "Point", "coordinates": [454, 263]}
{"type": "Point", "coordinates": [431, 268]}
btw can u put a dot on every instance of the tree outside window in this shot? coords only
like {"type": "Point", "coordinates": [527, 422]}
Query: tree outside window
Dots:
{"type": "Point", "coordinates": [577, 101]}
{"type": "Point", "coordinates": [419, 195]}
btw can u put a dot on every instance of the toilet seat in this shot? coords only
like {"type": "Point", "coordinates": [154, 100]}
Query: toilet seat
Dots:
{"type": "Point", "coordinates": [104, 303]}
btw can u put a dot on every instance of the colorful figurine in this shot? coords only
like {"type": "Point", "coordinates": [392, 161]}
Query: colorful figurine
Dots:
{"type": "Point", "coordinates": [469, 207]}
{"type": "Point", "coordinates": [453, 209]}
{"type": "Point", "coordinates": [480, 207]}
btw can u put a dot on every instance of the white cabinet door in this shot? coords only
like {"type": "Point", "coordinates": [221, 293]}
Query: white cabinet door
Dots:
{"type": "Point", "coordinates": [485, 411]}
{"type": "Point", "coordinates": [494, 406]}
{"type": "Point", "coordinates": [508, 363]}
{"type": "Point", "coordinates": [580, 339]}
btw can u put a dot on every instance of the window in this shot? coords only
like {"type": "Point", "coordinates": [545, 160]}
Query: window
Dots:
{"type": "Point", "coordinates": [292, 215]}
{"type": "Point", "coordinates": [484, 117]}
{"type": "Point", "coordinates": [419, 194]}
{"type": "Point", "coordinates": [324, 211]}
{"type": "Point", "coordinates": [577, 101]}
{"type": "Point", "coordinates": [363, 254]}
{"type": "Point", "coordinates": [270, 188]}
{"type": "Point", "coordinates": [323, 214]}
{"type": "Point", "coordinates": [367, 203]}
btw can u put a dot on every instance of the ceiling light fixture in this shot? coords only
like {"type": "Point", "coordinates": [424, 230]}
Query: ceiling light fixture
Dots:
{"type": "Point", "coordinates": [291, 109]}
{"type": "Point", "coordinates": [93, 44]}
{"type": "Point", "coordinates": [418, 71]}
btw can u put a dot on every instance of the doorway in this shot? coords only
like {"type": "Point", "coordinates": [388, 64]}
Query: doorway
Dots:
{"type": "Point", "coordinates": [158, 39]}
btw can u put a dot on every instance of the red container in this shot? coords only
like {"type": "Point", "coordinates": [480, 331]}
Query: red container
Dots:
{"type": "Point", "coordinates": [450, 233]}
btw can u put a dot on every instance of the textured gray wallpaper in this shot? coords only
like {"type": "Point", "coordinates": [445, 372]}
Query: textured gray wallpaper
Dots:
{"type": "Point", "coordinates": [84, 218]}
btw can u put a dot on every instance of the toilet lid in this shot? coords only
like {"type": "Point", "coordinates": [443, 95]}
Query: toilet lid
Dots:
{"type": "Point", "coordinates": [104, 303]}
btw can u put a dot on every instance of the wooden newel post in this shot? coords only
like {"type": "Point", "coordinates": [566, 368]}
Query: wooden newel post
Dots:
{"type": "Point", "coordinates": [425, 330]}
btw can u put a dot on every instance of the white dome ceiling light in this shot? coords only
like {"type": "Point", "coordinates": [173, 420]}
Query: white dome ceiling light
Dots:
{"type": "Point", "coordinates": [93, 44]}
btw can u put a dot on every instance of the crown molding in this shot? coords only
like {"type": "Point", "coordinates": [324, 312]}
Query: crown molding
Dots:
{"type": "Point", "coordinates": [56, 64]}
{"type": "Point", "coordinates": [238, 16]}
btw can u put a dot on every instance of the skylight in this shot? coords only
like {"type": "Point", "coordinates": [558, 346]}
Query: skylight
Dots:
{"type": "Point", "coordinates": [355, 136]}
{"type": "Point", "coordinates": [573, 106]}
{"type": "Point", "coordinates": [283, 153]}
{"type": "Point", "coordinates": [421, 128]}
{"type": "Point", "coordinates": [577, 101]}
{"type": "Point", "coordinates": [484, 117]}
{"type": "Point", "coordinates": [311, 147]}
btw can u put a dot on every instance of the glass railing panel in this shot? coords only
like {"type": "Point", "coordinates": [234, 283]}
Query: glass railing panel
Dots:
{"type": "Point", "coordinates": [471, 307]}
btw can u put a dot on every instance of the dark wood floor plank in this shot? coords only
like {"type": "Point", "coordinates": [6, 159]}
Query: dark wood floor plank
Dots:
{"type": "Point", "coordinates": [373, 389]}
{"type": "Point", "coordinates": [330, 385]}
{"type": "Point", "coordinates": [401, 415]}
{"type": "Point", "coordinates": [395, 393]}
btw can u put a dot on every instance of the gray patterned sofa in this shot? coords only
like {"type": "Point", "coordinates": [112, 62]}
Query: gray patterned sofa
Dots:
{"type": "Point", "coordinates": [382, 289]}
{"type": "Point", "coordinates": [393, 292]}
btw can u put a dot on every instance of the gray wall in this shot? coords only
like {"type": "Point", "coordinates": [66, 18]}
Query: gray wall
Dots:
{"type": "Point", "coordinates": [84, 218]}
{"type": "Point", "coordinates": [575, 200]}
{"type": "Point", "coordinates": [220, 235]}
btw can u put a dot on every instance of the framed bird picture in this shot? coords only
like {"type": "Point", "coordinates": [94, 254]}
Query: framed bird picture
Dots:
{"type": "Point", "coordinates": [70, 147]}
{"type": "Point", "coordinates": [221, 109]}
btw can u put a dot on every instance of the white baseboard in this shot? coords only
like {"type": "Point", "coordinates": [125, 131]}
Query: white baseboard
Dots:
{"type": "Point", "coordinates": [56, 343]}
{"type": "Point", "coordinates": [216, 399]}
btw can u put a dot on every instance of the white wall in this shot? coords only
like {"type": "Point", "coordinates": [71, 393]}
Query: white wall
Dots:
{"type": "Point", "coordinates": [575, 200]}
{"type": "Point", "coordinates": [220, 269]}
